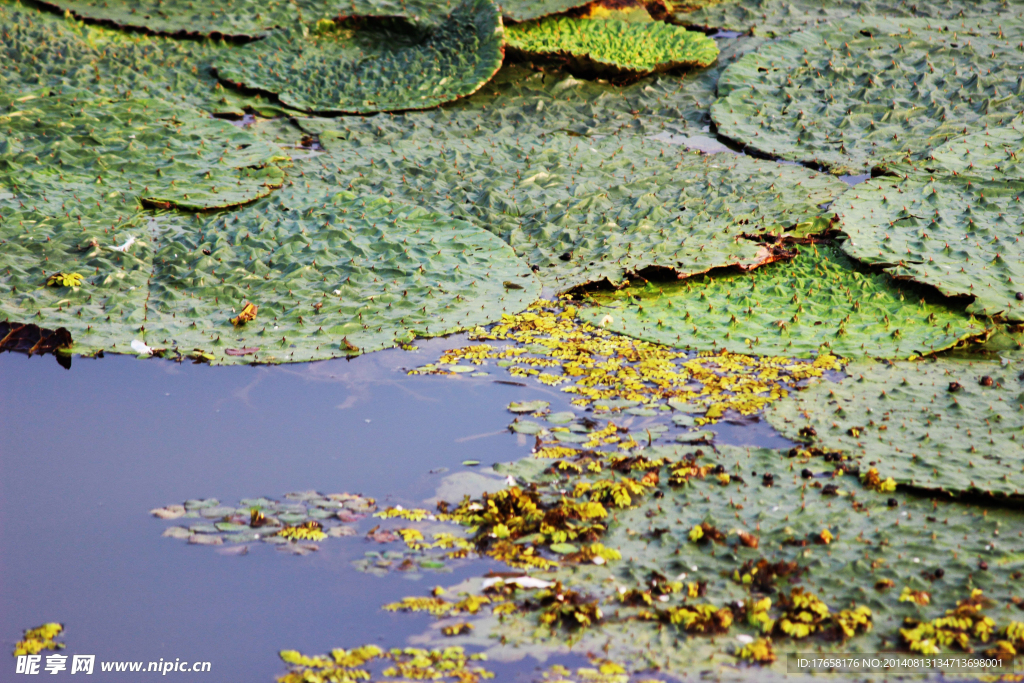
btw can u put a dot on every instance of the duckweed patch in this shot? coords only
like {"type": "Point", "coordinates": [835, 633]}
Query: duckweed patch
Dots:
{"type": "Point", "coordinates": [612, 46]}
{"type": "Point", "coordinates": [449, 663]}
{"type": "Point", "coordinates": [831, 544]}
{"type": "Point", "coordinates": [369, 64]}
{"type": "Point", "coordinates": [614, 375]}
{"type": "Point", "coordinates": [865, 93]}
{"type": "Point", "coordinates": [40, 638]}
{"type": "Point", "coordinates": [943, 426]}
{"type": "Point", "coordinates": [815, 303]}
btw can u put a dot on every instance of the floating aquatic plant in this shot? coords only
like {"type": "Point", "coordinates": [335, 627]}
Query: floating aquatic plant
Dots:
{"type": "Point", "coordinates": [370, 64]}
{"type": "Point", "coordinates": [612, 46]}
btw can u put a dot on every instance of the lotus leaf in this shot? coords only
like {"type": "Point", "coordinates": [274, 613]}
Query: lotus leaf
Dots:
{"type": "Point", "coordinates": [870, 91]}
{"type": "Point", "coordinates": [945, 425]}
{"type": "Point", "coordinates": [97, 149]}
{"type": "Point", "coordinates": [989, 155]}
{"type": "Point", "coordinates": [236, 18]}
{"type": "Point", "coordinates": [372, 64]}
{"type": "Point", "coordinates": [584, 212]}
{"type": "Point", "coordinates": [42, 53]}
{"type": "Point", "coordinates": [960, 237]}
{"type": "Point", "coordinates": [612, 46]}
{"type": "Point", "coordinates": [331, 276]}
{"type": "Point", "coordinates": [782, 17]}
{"type": "Point", "coordinates": [815, 303]}
{"type": "Point", "coordinates": [519, 101]}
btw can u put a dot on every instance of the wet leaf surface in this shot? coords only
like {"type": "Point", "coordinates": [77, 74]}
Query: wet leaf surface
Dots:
{"type": "Point", "coordinates": [44, 52]}
{"type": "Point", "coordinates": [957, 236]}
{"type": "Point", "coordinates": [235, 18]}
{"type": "Point", "coordinates": [815, 303]}
{"type": "Point", "coordinates": [365, 65]}
{"type": "Point", "coordinates": [938, 425]}
{"type": "Point", "coordinates": [782, 17]}
{"type": "Point", "coordinates": [866, 93]}
{"type": "Point", "coordinates": [585, 212]}
{"type": "Point", "coordinates": [520, 101]}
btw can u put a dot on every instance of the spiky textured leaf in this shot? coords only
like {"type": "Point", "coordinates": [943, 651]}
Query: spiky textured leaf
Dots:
{"type": "Point", "coordinates": [365, 65]}
{"type": "Point", "coordinates": [960, 237]}
{"type": "Point", "coordinates": [782, 17]}
{"type": "Point", "coordinates": [870, 91]}
{"type": "Point", "coordinates": [237, 18]}
{"type": "Point", "coordinates": [612, 46]}
{"type": "Point", "coordinates": [43, 53]}
{"type": "Point", "coordinates": [519, 101]}
{"type": "Point", "coordinates": [814, 303]}
{"type": "Point", "coordinates": [74, 151]}
{"type": "Point", "coordinates": [995, 154]}
{"type": "Point", "coordinates": [331, 276]}
{"type": "Point", "coordinates": [586, 211]}
{"type": "Point", "coordinates": [905, 418]}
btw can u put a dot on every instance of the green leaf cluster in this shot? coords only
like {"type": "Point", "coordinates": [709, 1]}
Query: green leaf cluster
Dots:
{"type": "Point", "coordinates": [783, 17]}
{"type": "Point", "coordinates": [612, 46]}
{"type": "Point", "coordinates": [945, 425]}
{"type": "Point", "coordinates": [232, 18]}
{"type": "Point", "coordinates": [817, 302]}
{"type": "Point", "coordinates": [960, 237]}
{"type": "Point", "coordinates": [584, 211]}
{"type": "Point", "coordinates": [868, 92]}
{"type": "Point", "coordinates": [43, 53]}
{"type": "Point", "coordinates": [519, 101]}
{"type": "Point", "coordinates": [372, 64]}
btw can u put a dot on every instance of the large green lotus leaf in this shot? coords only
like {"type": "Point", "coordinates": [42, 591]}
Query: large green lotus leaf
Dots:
{"type": "Point", "coordinates": [870, 91]}
{"type": "Point", "coordinates": [960, 237]}
{"type": "Point", "coordinates": [42, 52]}
{"type": "Point", "coordinates": [235, 18]}
{"type": "Point", "coordinates": [782, 17]}
{"type": "Point", "coordinates": [583, 211]}
{"type": "Point", "coordinates": [373, 64]}
{"type": "Point", "coordinates": [989, 155]}
{"type": "Point", "coordinates": [330, 275]}
{"type": "Point", "coordinates": [612, 46]}
{"type": "Point", "coordinates": [937, 425]}
{"type": "Point", "coordinates": [815, 303]}
{"type": "Point", "coordinates": [520, 101]}
{"type": "Point", "coordinates": [74, 148]}
{"type": "Point", "coordinates": [873, 541]}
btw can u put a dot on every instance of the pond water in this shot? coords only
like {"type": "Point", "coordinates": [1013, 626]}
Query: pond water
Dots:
{"type": "Point", "coordinates": [85, 453]}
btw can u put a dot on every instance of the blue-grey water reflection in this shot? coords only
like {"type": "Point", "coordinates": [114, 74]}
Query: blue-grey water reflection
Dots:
{"type": "Point", "coordinates": [86, 452]}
